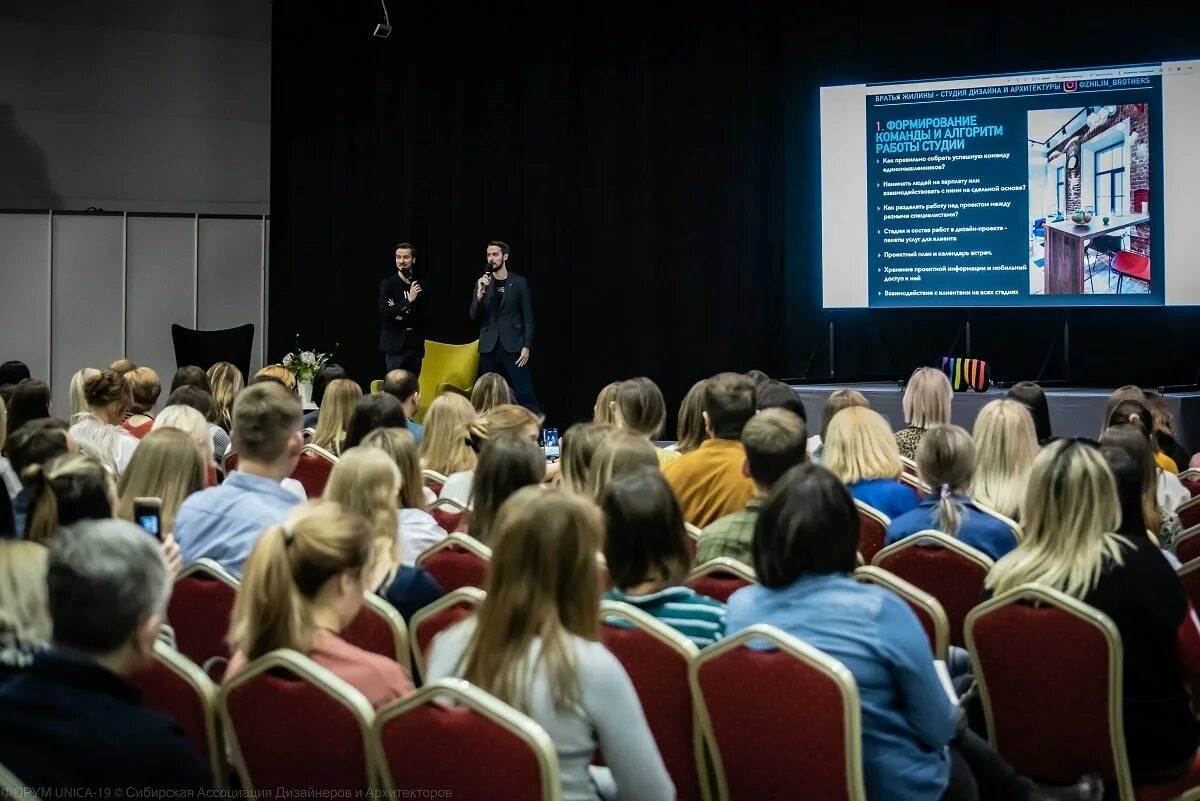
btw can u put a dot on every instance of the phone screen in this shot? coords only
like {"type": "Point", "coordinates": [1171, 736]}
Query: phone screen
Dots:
{"type": "Point", "coordinates": [147, 513]}
{"type": "Point", "coordinates": [550, 443]}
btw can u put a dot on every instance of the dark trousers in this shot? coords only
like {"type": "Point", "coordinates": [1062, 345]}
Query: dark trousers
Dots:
{"type": "Point", "coordinates": [409, 360]}
{"type": "Point", "coordinates": [505, 363]}
{"type": "Point", "coordinates": [977, 773]}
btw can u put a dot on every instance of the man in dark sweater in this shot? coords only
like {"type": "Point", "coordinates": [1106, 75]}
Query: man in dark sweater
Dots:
{"type": "Point", "coordinates": [402, 314]}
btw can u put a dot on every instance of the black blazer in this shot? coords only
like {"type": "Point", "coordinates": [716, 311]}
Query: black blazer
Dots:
{"type": "Point", "coordinates": [507, 318]}
{"type": "Point", "coordinates": [403, 324]}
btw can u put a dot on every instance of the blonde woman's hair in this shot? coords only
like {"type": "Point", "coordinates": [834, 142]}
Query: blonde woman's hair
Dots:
{"type": "Point", "coordinates": [689, 428]}
{"type": "Point", "coordinates": [578, 449]}
{"type": "Point", "coordinates": [337, 407]}
{"type": "Point", "coordinates": [544, 586]}
{"type": "Point", "coordinates": [490, 391]}
{"type": "Point", "coordinates": [191, 422]}
{"type": "Point", "coordinates": [927, 398]}
{"type": "Point", "coordinates": [859, 446]}
{"type": "Point", "coordinates": [443, 447]}
{"type": "Point", "coordinates": [144, 387]}
{"type": "Point", "coordinates": [505, 419]}
{"type": "Point", "coordinates": [617, 454]}
{"type": "Point", "coordinates": [367, 481]}
{"type": "Point", "coordinates": [24, 601]}
{"type": "Point", "coordinates": [1005, 447]}
{"type": "Point", "coordinates": [398, 444]}
{"type": "Point", "coordinates": [639, 407]}
{"type": "Point", "coordinates": [604, 411]}
{"type": "Point", "coordinates": [123, 366]}
{"type": "Point", "coordinates": [79, 404]}
{"type": "Point", "coordinates": [280, 372]}
{"type": "Point", "coordinates": [226, 381]}
{"type": "Point", "coordinates": [946, 462]}
{"type": "Point", "coordinates": [1070, 511]}
{"type": "Point", "coordinates": [167, 466]}
{"type": "Point", "coordinates": [287, 567]}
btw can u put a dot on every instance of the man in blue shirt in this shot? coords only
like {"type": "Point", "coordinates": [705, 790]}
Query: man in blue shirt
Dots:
{"type": "Point", "coordinates": [406, 388]}
{"type": "Point", "coordinates": [222, 523]}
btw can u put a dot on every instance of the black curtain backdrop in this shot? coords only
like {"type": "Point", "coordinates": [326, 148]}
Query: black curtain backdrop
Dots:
{"type": "Point", "coordinates": [656, 170]}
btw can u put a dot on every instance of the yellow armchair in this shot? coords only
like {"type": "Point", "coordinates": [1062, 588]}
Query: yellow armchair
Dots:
{"type": "Point", "coordinates": [445, 366]}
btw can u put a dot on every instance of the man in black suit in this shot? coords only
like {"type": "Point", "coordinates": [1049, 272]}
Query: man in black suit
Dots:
{"type": "Point", "coordinates": [503, 310]}
{"type": "Point", "coordinates": [402, 311]}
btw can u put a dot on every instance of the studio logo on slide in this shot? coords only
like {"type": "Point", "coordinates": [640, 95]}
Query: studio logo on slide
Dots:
{"type": "Point", "coordinates": [1070, 86]}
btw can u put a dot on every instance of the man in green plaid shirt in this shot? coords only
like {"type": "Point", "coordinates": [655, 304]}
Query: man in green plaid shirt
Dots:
{"type": "Point", "coordinates": [775, 441]}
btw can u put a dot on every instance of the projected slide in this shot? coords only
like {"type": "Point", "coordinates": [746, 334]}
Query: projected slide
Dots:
{"type": "Point", "coordinates": [1056, 189]}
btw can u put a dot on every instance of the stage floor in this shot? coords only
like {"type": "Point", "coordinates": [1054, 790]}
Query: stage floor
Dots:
{"type": "Point", "coordinates": [1074, 412]}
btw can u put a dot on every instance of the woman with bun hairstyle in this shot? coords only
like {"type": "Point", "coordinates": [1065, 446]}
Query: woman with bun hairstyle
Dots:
{"type": "Point", "coordinates": [98, 433]}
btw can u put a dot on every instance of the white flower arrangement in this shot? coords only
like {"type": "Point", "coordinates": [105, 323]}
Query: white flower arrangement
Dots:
{"type": "Point", "coordinates": [305, 364]}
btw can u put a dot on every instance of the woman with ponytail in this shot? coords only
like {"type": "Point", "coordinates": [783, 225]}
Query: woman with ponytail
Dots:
{"type": "Point", "coordinates": [366, 480]}
{"type": "Point", "coordinates": [64, 491]}
{"type": "Point", "coordinates": [946, 462]}
{"type": "Point", "coordinates": [99, 433]}
{"type": "Point", "coordinates": [304, 583]}
{"type": "Point", "coordinates": [507, 418]}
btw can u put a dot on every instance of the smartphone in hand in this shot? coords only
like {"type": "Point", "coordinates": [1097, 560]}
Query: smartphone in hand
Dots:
{"type": "Point", "coordinates": [147, 513]}
{"type": "Point", "coordinates": [550, 445]}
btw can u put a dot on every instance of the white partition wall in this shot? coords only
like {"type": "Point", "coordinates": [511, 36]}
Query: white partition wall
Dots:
{"type": "Point", "coordinates": [81, 290]}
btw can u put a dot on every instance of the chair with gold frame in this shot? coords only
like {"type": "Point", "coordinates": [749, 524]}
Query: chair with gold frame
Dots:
{"type": "Point", "coordinates": [872, 529]}
{"type": "Point", "coordinates": [720, 577]}
{"type": "Point", "coordinates": [460, 560]}
{"type": "Point", "coordinates": [200, 609]}
{"type": "Point", "coordinates": [432, 620]}
{"type": "Point", "coordinates": [380, 629]}
{"type": "Point", "coordinates": [927, 608]}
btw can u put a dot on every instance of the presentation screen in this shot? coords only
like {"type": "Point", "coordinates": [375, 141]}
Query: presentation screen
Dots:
{"type": "Point", "coordinates": [1069, 188]}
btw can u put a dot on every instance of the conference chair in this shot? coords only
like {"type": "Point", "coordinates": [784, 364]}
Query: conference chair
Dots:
{"type": "Point", "coordinates": [434, 480]}
{"type": "Point", "coordinates": [229, 461]}
{"type": "Point", "coordinates": [430, 621]}
{"type": "Point", "coordinates": [919, 487]}
{"type": "Point", "coordinates": [206, 348]}
{"type": "Point", "coordinates": [446, 366]}
{"type": "Point", "coordinates": [294, 727]}
{"type": "Point", "coordinates": [454, 740]}
{"type": "Point", "coordinates": [783, 721]}
{"type": "Point", "coordinates": [380, 629]}
{"type": "Point", "coordinates": [200, 610]}
{"type": "Point", "coordinates": [872, 529]}
{"type": "Point", "coordinates": [1189, 577]}
{"type": "Point", "coordinates": [459, 560]}
{"type": "Point", "coordinates": [927, 608]}
{"type": "Point", "coordinates": [1013, 525]}
{"type": "Point", "coordinates": [720, 577]}
{"type": "Point", "coordinates": [656, 657]}
{"type": "Point", "coordinates": [313, 469]}
{"type": "Point", "coordinates": [450, 514]}
{"type": "Point", "coordinates": [950, 571]}
{"type": "Point", "coordinates": [909, 466]}
{"type": "Point", "coordinates": [1049, 669]}
{"type": "Point", "coordinates": [174, 686]}
{"type": "Point", "coordinates": [1187, 547]}
{"type": "Point", "coordinates": [1190, 479]}
{"type": "Point", "coordinates": [1189, 513]}
{"type": "Point", "coordinates": [693, 537]}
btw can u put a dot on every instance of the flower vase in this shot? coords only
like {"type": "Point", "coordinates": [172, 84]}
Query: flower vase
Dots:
{"type": "Point", "coordinates": [305, 393]}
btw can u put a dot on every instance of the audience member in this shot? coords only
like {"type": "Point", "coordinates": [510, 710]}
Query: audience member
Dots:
{"type": "Point", "coordinates": [838, 400]}
{"type": "Point", "coordinates": [223, 522]}
{"type": "Point", "coordinates": [1034, 398]}
{"type": "Point", "coordinates": [859, 449]}
{"type": "Point", "coordinates": [64, 491]}
{"type": "Point", "coordinates": [72, 719]}
{"type": "Point", "coordinates": [689, 427]}
{"type": "Point", "coordinates": [535, 645]}
{"type": "Point", "coordinates": [201, 401]}
{"type": "Point", "coordinates": [14, 372]}
{"type": "Point", "coordinates": [604, 410]}
{"type": "Point", "coordinates": [617, 454]}
{"type": "Point", "coordinates": [340, 400]}
{"type": "Point", "coordinates": [79, 405]}
{"type": "Point", "coordinates": [366, 481]}
{"type": "Point", "coordinates": [443, 448]}
{"type": "Point", "coordinates": [99, 433]}
{"type": "Point", "coordinates": [24, 614]}
{"type": "Point", "coordinates": [279, 373]}
{"type": "Point", "coordinates": [490, 391]}
{"type": "Point", "coordinates": [709, 481]}
{"type": "Point", "coordinates": [508, 418]}
{"type": "Point", "coordinates": [144, 387]}
{"type": "Point", "coordinates": [638, 407]}
{"type": "Point", "coordinates": [166, 466]}
{"type": "Point", "coordinates": [775, 442]}
{"type": "Point", "coordinates": [1005, 447]}
{"type": "Point", "coordinates": [6, 391]}
{"type": "Point", "coordinates": [304, 583]}
{"type": "Point", "coordinates": [578, 449]}
{"type": "Point", "coordinates": [192, 423]}
{"type": "Point", "coordinates": [191, 376]}
{"type": "Point", "coordinates": [759, 378]}
{"type": "Point", "coordinates": [122, 366]}
{"type": "Point", "coordinates": [325, 376]}
{"type": "Point", "coordinates": [778, 395]}
{"type": "Point", "coordinates": [419, 531]}
{"type": "Point", "coordinates": [30, 401]}
{"type": "Point", "coordinates": [914, 748]}
{"type": "Point", "coordinates": [645, 548]}
{"type": "Point", "coordinates": [372, 412]}
{"type": "Point", "coordinates": [506, 464]}
{"type": "Point", "coordinates": [226, 381]}
{"type": "Point", "coordinates": [946, 462]}
{"type": "Point", "coordinates": [1151, 516]}
{"type": "Point", "coordinates": [926, 403]}
{"type": "Point", "coordinates": [35, 443]}
{"type": "Point", "coordinates": [1164, 430]}
{"type": "Point", "coordinates": [8, 477]}
{"type": "Point", "coordinates": [406, 388]}
{"type": "Point", "coordinates": [1171, 492]}
{"type": "Point", "coordinates": [1070, 512]}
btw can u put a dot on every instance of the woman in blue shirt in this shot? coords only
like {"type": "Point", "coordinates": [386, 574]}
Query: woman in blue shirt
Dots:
{"type": "Point", "coordinates": [861, 451]}
{"type": "Point", "coordinates": [946, 461]}
{"type": "Point", "coordinates": [914, 747]}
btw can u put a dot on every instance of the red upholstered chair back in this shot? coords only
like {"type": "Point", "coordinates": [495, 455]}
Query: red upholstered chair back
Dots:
{"type": "Point", "coordinates": [450, 514]}
{"type": "Point", "coordinates": [477, 749]}
{"type": "Point", "coordinates": [872, 528]}
{"type": "Point", "coordinates": [440, 615]}
{"type": "Point", "coordinates": [434, 480]}
{"type": "Point", "coordinates": [1190, 478]}
{"type": "Point", "coordinates": [457, 561]}
{"type": "Point", "coordinates": [721, 577]}
{"type": "Point", "coordinates": [1049, 670]}
{"type": "Point", "coordinates": [656, 658]}
{"type": "Point", "coordinates": [1187, 547]}
{"type": "Point", "coordinates": [1189, 576]}
{"type": "Point", "coordinates": [909, 467]}
{"type": "Point", "coordinates": [175, 687]}
{"type": "Point", "coordinates": [783, 723]}
{"type": "Point", "coordinates": [927, 608]}
{"type": "Point", "coordinates": [294, 725]}
{"type": "Point", "coordinates": [380, 629]}
{"type": "Point", "coordinates": [200, 609]}
{"type": "Point", "coordinates": [943, 567]}
{"type": "Point", "coordinates": [313, 469]}
{"type": "Point", "coordinates": [1189, 513]}
{"type": "Point", "coordinates": [230, 462]}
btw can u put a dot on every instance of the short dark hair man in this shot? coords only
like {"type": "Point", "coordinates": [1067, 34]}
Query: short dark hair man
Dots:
{"type": "Point", "coordinates": [503, 310]}
{"type": "Point", "coordinates": [403, 313]}
{"type": "Point", "coordinates": [406, 388]}
{"type": "Point", "coordinates": [771, 394]}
